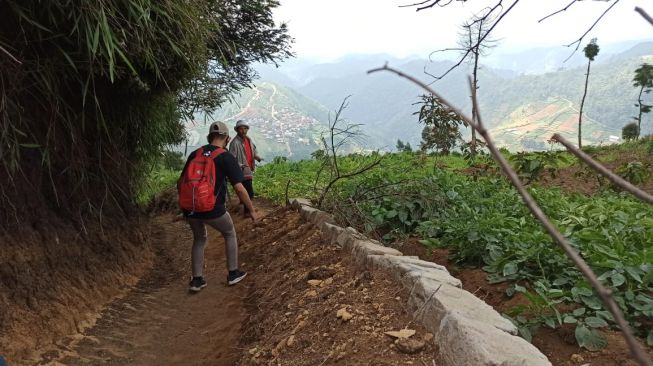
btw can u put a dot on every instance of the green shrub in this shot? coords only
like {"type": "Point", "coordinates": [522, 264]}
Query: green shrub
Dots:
{"type": "Point", "coordinates": [634, 172]}
{"type": "Point", "coordinates": [630, 131]}
{"type": "Point", "coordinates": [531, 166]}
{"type": "Point", "coordinates": [173, 160]}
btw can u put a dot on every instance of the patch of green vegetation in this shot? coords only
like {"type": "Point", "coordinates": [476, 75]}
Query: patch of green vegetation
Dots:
{"type": "Point", "coordinates": [156, 181]}
{"type": "Point", "coordinates": [162, 176]}
{"type": "Point", "coordinates": [484, 223]}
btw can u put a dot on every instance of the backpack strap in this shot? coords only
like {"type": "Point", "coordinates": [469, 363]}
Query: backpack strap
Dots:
{"type": "Point", "coordinates": [217, 152]}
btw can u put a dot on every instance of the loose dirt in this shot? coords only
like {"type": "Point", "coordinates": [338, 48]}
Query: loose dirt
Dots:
{"type": "Point", "coordinates": [303, 303]}
{"type": "Point", "coordinates": [309, 305]}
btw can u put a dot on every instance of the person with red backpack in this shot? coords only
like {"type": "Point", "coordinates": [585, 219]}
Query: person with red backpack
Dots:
{"type": "Point", "coordinates": [202, 189]}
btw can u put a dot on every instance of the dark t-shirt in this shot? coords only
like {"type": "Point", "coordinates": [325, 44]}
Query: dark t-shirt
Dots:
{"type": "Point", "coordinates": [226, 167]}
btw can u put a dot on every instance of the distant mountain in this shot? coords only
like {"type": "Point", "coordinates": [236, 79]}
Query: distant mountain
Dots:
{"type": "Point", "coordinates": [289, 108]}
{"type": "Point", "coordinates": [384, 102]}
{"type": "Point", "coordinates": [550, 59]}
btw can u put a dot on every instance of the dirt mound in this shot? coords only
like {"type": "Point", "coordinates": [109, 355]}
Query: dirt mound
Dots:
{"type": "Point", "coordinates": [309, 305]}
{"type": "Point", "coordinates": [55, 276]}
{"type": "Point", "coordinates": [164, 202]}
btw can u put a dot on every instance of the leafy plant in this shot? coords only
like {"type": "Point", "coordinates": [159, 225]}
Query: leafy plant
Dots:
{"type": "Point", "coordinates": [531, 166]}
{"type": "Point", "coordinates": [635, 172]}
{"type": "Point", "coordinates": [173, 160]}
{"type": "Point", "coordinates": [102, 87]}
{"type": "Point", "coordinates": [483, 223]}
{"type": "Point", "coordinates": [280, 159]}
{"type": "Point", "coordinates": [442, 127]}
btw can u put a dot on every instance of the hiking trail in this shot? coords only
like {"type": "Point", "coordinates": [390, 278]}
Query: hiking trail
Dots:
{"type": "Point", "coordinates": [274, 316]}
{"type": "Point", "coordinates": [160, 322]}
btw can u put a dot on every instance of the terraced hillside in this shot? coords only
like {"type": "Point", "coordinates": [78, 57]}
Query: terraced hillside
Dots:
{"type": "Point", "coordinates": [283, 122]}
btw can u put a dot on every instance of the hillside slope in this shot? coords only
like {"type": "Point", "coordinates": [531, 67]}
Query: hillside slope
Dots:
{"type": "Point", "coordinates": [383, 102]}
{"type": "Point", "coordinates": [283, 122]}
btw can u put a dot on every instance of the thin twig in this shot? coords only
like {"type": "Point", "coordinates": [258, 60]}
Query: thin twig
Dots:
{"type": "Point", "coordinates": [415, 4]}
{"type": "Point", "coordinates": [644, 14]}
{"type": "Point", "coordinates": [287, 201]}
{"type": "Point", "coordinates": [557, 12]}
{"type": "Point", "coordinates": [4, 50]}
{"type": "Point", "coordinates": [615, 179]}
{"type": "Point", "coordinates": [579, 40]}
{"type": "Point", "coordinates": [604, 293]}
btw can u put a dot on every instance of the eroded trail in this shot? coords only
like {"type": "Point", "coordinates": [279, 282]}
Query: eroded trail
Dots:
{"type": "Point", "coordinates": [159, 322]}
{"type": "Point", "coordinates": [278, 315]}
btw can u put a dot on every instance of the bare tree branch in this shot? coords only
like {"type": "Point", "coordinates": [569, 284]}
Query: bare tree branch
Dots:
{"type": "Point", "coordinates": [432, 4]}
{"type": "Point", "coordinates": [415, 4]}
{"type": "Point", "coordinates": [481, 39]}
{"type": "Point", "coordinates": [644, 14]}
{"type": "Point", "coordinates": [580, 40]}
{"type": "Point", "coordinates": [557, 12]}
{"type": "Point", "coordinates": [615, 179]}
{"type": "Point", "coordinates": [604, 293]}
{"type": "Point", "coordinates": [339, 137]}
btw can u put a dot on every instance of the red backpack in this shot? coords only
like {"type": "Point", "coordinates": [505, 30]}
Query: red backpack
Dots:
{"type": "Point", "coordinates": [197, 184]}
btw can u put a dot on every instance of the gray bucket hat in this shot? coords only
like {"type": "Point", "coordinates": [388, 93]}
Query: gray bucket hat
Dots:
{"type": "Point", "coordinates": [240, 123]}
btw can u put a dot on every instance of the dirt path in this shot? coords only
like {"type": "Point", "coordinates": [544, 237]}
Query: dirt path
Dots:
{"type": "Point", "coordinates": [278, 315]}
{"type": "Point", "coordinates": [159, 322]}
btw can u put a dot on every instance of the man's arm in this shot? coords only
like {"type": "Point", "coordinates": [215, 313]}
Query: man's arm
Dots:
{"type": "Point", "coordinates": [244, 198]}
{"type": "Point", "coordinates": [236, 178]}
{"type": "Point", "coordinates": [255, 150]}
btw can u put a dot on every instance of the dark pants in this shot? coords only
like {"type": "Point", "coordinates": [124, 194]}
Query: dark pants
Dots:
{"type": "Point", "coordinates": [249, 186]}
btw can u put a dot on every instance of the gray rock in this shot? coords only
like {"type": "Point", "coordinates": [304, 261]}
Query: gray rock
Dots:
{"type": "Point", "coordinates": [306, 212]}
{"type": "Point", "coordinates": [436, 300]}
{"type": "Point", "coordinates": [413, 277]}
{"type": "Point", "coordinates": [410, 345]}
{"type": "Point", "coordinates": [322, 217]}
{"type": "Point", "coordinates": [361, 249]}
{"type": "Point", "coordinates": [409, 270]}
{"type": "Point", "coordinates": [297, 203]}
{"type": "Point", "coordinates": [463, 341]}
{"type": "Point", "coordinates": [346, 238]}
{"type": "Point", "coordinates": [408, 264]}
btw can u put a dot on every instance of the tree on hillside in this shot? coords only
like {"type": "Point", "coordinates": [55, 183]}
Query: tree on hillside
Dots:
{"type": "Point", "coordinates": [630, 131]}
{"type": "Point", "coordinates": [644, 81]}
{"type": "Point", "coordinates": [472, 44]}
{"type": "Point", "coordinates": [403, 147]}
{"type": "Point", "coordinates": [591, 50]}
{"type": "Point", "coordinates": [442, 126]}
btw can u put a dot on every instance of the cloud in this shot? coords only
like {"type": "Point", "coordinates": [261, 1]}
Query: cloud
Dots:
{"type": "Point", "coordinates": [331, 29]}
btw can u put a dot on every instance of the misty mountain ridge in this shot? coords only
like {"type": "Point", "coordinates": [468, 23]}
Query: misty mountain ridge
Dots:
{"type": "Point", "coordinates": [522, 109]}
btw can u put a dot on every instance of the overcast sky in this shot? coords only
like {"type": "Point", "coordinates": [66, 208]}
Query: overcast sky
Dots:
{"type": "Point", "coordinates": [326, 30]}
